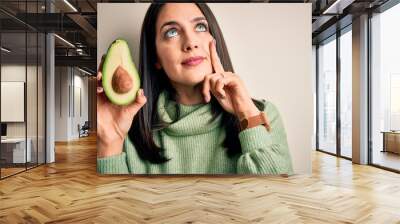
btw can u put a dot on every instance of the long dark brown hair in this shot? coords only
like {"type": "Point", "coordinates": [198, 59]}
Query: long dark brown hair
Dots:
{"type": "Point", "coordinates": [154, 81]}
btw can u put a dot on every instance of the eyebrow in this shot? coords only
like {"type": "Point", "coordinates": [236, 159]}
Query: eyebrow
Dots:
{"type": "Point", "coordinates": [176, 23]}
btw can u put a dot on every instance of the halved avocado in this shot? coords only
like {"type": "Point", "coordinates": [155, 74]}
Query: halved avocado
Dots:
{"type": "Point", "coordinates": [120, 78]}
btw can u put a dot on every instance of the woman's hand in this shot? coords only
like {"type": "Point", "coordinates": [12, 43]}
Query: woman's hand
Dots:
{"type": "Point", "coordinates": [113, 121]}
{"type": "Point", "coordinates": [228, 89]}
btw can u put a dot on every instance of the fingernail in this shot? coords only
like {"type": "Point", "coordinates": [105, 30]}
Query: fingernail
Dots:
{"type": "Point", "coordinates": [142, 92]}
{"type": "Point", "coordinates": [214, 42]}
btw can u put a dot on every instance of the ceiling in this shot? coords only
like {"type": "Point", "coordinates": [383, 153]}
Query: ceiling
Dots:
{"type": "Point", "coordinates": [76, 20]}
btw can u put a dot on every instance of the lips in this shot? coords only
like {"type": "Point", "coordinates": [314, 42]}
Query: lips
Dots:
{"type": "Point", "coordinates": [193, 61]}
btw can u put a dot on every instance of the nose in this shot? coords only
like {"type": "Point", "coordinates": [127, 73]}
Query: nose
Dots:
{"type": "Point", "coordinates": [190, 43]}
{"type": "Point", "coordinates": [190, 46]}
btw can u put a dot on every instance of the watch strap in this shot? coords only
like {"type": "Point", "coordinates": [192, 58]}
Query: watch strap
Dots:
{"type": "Point", "coordinates": [250, 122]}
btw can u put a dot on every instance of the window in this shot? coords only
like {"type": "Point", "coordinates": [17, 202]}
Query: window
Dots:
{"type": "Point", "coordinates": [395, 101]}
{"type": "Point", "coordinates": [327, 96]}
{"type": "Point", "coordinates": [385, 88]}
{"type": "Point", "coordinates": [22, 75]}
{"type": "Point", "coordinates": [346, 93]}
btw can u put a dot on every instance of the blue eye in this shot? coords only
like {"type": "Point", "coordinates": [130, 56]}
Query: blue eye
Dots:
{"type": "Point", "coordinates": [201, 27]}
{"type": "Point", "coordinates": [171, 33]}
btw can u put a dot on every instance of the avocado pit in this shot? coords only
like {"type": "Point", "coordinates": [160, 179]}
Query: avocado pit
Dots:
{"type": "Point", "coordinates": [121, 81]}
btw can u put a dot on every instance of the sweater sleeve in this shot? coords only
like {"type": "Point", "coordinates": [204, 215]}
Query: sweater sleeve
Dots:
{"type": "Point", "coordinates": [265, 152]}
{"type": "Point", "coordinates": [128, 162]}
{"type": "Point", "coordinates": [116, 164]}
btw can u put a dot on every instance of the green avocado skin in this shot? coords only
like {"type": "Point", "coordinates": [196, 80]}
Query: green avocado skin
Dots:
{"type": "Point", "coordinates": [119, 50]}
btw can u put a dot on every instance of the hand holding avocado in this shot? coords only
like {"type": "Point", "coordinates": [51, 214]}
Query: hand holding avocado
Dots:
{"type": "Point", "coordinates": [118, 99]}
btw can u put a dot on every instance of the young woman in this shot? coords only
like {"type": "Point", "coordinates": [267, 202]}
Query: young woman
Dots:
{"type": "Point", "coordinates": [194, 115]}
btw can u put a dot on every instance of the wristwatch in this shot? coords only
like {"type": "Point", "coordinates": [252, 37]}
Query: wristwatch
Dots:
{"type": "Point", "coordinates": [249, 122]}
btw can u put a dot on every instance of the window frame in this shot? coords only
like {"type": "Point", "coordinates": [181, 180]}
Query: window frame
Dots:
{"type": "Point", "coordinates": [336, 36]}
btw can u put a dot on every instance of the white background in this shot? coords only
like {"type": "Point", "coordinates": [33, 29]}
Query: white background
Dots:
{"type": "Point", "coordinates": [12, 101]}
{"type": "Point", "coordinates": [270, 48]}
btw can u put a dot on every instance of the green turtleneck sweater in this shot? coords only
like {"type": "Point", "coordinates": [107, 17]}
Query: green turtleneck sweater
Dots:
{"type": "Point", "coordinates": [195, 145]}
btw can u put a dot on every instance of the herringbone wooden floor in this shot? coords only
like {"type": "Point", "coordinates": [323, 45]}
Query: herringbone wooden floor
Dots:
{"type": "Point", "coordinates": [69, 191]}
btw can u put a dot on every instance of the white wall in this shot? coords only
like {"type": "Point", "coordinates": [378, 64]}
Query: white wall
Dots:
{"type": "Point", "coordinates": [80, 83]}
{"type": "Point", "coordinates": [33, 127]}
{"type": "Point", "coordinates": [61, 105]}
{"type": "Point", "coordinates": [67, 80]}
{"type": "Point", "coordinates": [270, 48]}
{"type": "Point", "coordinates": [16, 73]}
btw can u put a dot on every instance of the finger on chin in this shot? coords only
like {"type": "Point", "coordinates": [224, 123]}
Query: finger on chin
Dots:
{"type": "Point", "coordinates": [216, 62]}
{"type": "Point", "coordinates": [206, 89]}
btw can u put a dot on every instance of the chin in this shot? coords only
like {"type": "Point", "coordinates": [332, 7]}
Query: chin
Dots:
{"type": "Point", "coordinates": [193, 82]}
{"type": "Point", "coordinates": [195, 79]}
{"type": "Point", "coordinates": [194, 76]}
{"type": "Point", "coordinates": [197, 73]}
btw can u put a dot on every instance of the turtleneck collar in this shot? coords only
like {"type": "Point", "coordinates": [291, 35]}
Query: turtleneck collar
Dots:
{"type": "Point", "coordinates": [192, 120]}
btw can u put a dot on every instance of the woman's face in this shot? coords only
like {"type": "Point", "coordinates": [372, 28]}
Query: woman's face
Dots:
{"type": "Point", "coordinates": [183, 43]}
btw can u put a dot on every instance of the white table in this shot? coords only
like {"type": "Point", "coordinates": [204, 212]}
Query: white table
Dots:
{"type": "Point", "coordinates": [18, 145]}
